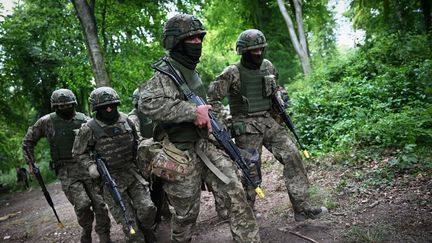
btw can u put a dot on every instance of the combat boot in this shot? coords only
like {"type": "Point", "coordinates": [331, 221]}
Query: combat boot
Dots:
{"type": "Point", "coordinates": [149, 236]}
{"type": "Point", "coordinates": [223, 214]}
{"type": "Point", "coordinates": [309, 213]}
{"type": "Point", "coordinates": [105, 238]}
{"type": "Point", "coordinates": [86, 236]}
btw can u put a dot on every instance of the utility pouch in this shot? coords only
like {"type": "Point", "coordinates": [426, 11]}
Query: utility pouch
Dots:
{"type": "Point", "coordinates": [170, 163]}
{"type": "Point", "coordinates": [269, 85]}
{"type": "Point", "coordinates": [54, 166]}
{"type": "Point", "coordinates": [238, 128]}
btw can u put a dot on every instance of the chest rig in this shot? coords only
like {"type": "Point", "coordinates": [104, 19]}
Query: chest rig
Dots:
{"type": "Point", "coordinates": [115, 143]}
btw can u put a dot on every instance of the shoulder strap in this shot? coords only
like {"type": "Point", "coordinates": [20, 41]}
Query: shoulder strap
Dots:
{"type": "Point", "coordinates": [80, 116]}
{"type": "Point", "coordinates": [97, 129]}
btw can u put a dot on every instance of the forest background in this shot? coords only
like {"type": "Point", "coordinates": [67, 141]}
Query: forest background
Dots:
{"type": "Point", "coordinates": [355, 106]}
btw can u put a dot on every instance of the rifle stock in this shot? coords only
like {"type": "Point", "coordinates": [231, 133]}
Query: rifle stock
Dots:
{"type": "Point", "coordinates": [39, 178]}
{"type": "Point", "coordinates": [222, 136]}
{"type": "Point", "coordinates": [109, 181]}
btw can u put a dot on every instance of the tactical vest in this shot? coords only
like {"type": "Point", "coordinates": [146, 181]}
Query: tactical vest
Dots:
{"type": "Point", "coordinates": [146, 124]}
{"type": "Point", "coordinates": [115, 143]}
{"type": "Point", "coordinates": [252, 92]}
{"type": "Point", "coordinates": [185, 131]}
{"type": "Point", "coordinates": [64, 136]}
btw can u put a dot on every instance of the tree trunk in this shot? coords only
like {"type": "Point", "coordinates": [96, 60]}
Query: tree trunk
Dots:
{"type": "Point", "coordinates": [88, 25]}
{"type": "Point", "coordinates": [300, 44]}
{"type": "Point", "coordinates": [427, 14]}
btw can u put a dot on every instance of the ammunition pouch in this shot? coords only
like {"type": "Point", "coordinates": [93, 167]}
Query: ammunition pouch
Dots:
{"type": "Point", "coordinates": [269, 85]}
{"type": "Point", "coordinates": [164, 160]}
{"type": "Point", "coordinates": [253, 161]}
{"type": "Point", "coordinates": [56, 165]}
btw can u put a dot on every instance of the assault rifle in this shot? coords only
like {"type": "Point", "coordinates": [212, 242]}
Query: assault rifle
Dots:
{"type": "Point", "coordinates": [280, 108]}
{"type": "Point", "coordinates": [108, 180]}
{"type": "Point", "coordinates": [222, 136]}
{"type": "Point", "coordinates": [36, 172]}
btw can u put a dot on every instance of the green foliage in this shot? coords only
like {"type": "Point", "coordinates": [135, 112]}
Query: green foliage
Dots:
{"type": "Point", "coordinates": [225, 26]}
{"type": "Point", "coordinates": [320, 197]}
{"type": "Point", "coordinates": [377, 17]}
{"type": "Point", "coordinates": [8, 177]}
{"type": "Point", "coordinates": [377, 96]}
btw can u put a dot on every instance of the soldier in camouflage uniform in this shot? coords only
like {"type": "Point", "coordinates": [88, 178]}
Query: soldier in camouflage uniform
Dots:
{"type": "Point", "coordinates": [143, 124]}
{"type": "Point", "coordinates": [112, 135]}
{"type": "Point", "coordinates": [144, 127]}
{"type": "Point", "coordinates": [187, 127]}
{"type": "Point", "coordinates": [249, 85]}
{"type": "Point", "coordinates": [59, 128]}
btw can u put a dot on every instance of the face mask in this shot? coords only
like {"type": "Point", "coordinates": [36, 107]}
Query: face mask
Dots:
{"type": "Point", "coordinates": [67, 113]}
{"type": "Point", "coordinates": [193, 51]}
{"type": "Point", "coordinates": [188, 54]}
{"type": "Point", "coordinates": [108, 117]}
{"type": "Point", "coordinates": [252, 61]}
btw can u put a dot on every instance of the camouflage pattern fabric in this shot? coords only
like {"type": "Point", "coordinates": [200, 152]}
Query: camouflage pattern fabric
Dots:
{"type": "Point", "coordinates": [75, 181]}
{"type": "Point", "coordinates": [250, 39]}
{"type": "Point", "coordinates": [162, 101]}
{"type": "Point", "coordinates": [62, 97]}
{"type": "Point", "coordinates": [132, 186]}
{"type": "Point", "coordinates": [256, 130]}
{"type": "Point", "coordinates": [180, 27]}
{"type": "Point", "coordinates": [136, 196]}
{"type": "Point", "coordinates": [133, 117]}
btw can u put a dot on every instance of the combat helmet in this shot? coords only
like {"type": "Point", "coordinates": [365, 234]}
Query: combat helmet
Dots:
{"type": "Point", "coordinates": [179, 28]}
{"type": "Point", "coordinates": [62, 97]}
{"type": "Point", "coordinates": [250, 39]}
{"type": "Point", "coordinates": [103, 96]}
{"type": "Point", "coordinates": [135, 97]}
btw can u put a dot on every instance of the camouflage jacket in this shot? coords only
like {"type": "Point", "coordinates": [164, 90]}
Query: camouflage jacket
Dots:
{"type": "Point", "coordinates": [133, 117]}
{"type": "Point", "coordinates": [228, 82]}
{"type": "Point", "coordinates": [162, 101]}
{"type": "Point", "coordinates": [43, 127]}
{"type": "Point", "coordinates": [85, 141]}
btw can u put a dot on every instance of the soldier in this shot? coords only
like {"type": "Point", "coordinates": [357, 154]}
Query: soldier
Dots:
{"type": "Point", "coordinates": [249, 85]}
{"type": "Point", "coordinates": [22, 177]}
{"type": "Point", "coordinates": [144, 127]}
{"type": "Point", "coordinates": [59, 128]}
{"type": "Point", "coordinates": [112, 135]}
{"type": "Point", "coordinates": [186, 127]}
{"type": "Point", "coordinates": [143, 124]}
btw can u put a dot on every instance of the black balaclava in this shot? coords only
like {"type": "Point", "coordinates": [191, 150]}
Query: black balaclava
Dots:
{"type": "Point", "coordinates": [66, 114]}
{"type": "Point", "coordinates": [188, 54]}
{"type": "Point", "coordinates": [252, 61]}
{"type": "Point", "coordinates": [106, 117]}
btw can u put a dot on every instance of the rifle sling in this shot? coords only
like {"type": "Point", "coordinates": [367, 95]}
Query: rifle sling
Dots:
{"type": "Point", "coordinates": [211, 166]}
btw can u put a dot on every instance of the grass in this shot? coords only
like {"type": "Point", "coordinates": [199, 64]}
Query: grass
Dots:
{"type": "Point", "coordinates": [318, 196]}
{"type": "Point", "coordinates": [368, 234]}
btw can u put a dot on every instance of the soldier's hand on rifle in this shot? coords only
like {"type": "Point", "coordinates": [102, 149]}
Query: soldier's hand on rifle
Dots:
{"type": "Point", "coordinates": [93, 171]}
{"type": "Point", "coordinates": [31, 169]}
{"type": "Point", "coordinates": [282, 96]}
{"type": "Point", "coordinates": [202, 118]}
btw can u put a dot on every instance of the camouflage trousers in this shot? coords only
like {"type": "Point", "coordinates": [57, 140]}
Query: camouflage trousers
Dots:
{"type": "Point", "coordinates": [184, 197]}
{"type": "Point", "coordinates": [135, 193]}
{"type": "Point", "coordinates": [264, 130]}
{"type": "Point", "coordinates": [87, 202]}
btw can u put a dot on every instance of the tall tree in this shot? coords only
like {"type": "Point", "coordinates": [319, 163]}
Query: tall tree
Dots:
{"type": "Point", "coordinates": [85, 14]}
{"type": "Point", "coordinates": [298, 40]}
{"type": "Point", "coordinates": [383, 16]}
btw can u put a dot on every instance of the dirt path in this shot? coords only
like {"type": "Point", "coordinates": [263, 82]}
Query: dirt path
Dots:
{"type": "Point", "coordinates": [401, 213]}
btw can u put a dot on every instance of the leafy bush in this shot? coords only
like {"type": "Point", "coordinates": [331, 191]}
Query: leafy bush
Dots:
{"type": "Point", "coordinates": [379, 95]}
